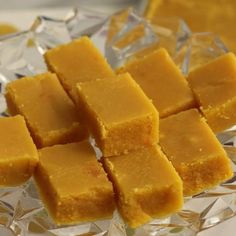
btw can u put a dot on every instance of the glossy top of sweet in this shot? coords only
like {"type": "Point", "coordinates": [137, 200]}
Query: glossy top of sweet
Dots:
{"type": "Point", "coordinates": [162, 82]}
{"type": "Point", "coordinates": [215, 82]}
{"type": "Point", "coordinates": [77, 61]}
{"type": "Point", "coordinates": [186, 138]}
{"type": "Point", "coordinates": [146, 168]}
{"type": "Point", "coordinates": [44, 103]}
{"type": "Point", "coordinates": [73, 169]}
{"type": "Point", "coordinates": [117, 99]}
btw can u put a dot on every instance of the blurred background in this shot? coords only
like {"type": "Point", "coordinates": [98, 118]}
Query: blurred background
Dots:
{"type": "Point", "coordinates": [218, 16]}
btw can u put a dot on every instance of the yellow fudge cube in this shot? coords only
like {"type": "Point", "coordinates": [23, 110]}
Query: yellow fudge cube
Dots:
{"type": "Point", "coordinates": [118, 114]}
{"type": "Point", "coordinates": [73, 184]}
{"type": "Point", "coordinates": [77, 61]}
{"type": "Point", "coordinates": [50, 114]}
{"type": "Point", "coordinates": [194, 151]}
{"type": "Point", "coordinates": [18, 154]}
{"type": "Point", "coordinates": [214, 85]}
{"type": "Point", "coordinates": [162, 81]}
{"type": "Point", "coordinates": [146, 185]}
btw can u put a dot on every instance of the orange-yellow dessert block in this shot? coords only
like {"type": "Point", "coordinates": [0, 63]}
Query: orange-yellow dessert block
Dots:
{"type": "Point", "coordinates": [77, 61]}
{"type": "Point", "coordinates": [194, 151]}
{"type": "Point", "coordinates": [118, 114]}
{"type": "Point", "coordinates": [146, 185]}
{"type": "Point", "coordinates": [18, 154]}
{"type": "Point", "coordinates": [73, 184]}
{"type": "Point", "coordinates": [50, 114]}
{"type": "Point", "coordinates": [214, 85]}
{"type": "Point", "coordinates": [162, 82]}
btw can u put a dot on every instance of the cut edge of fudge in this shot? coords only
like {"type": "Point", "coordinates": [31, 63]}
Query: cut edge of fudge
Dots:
{"type": "Point", "coordinates": [21, 168]}
{"type": "Point", "coordinates": [76, 132]}
{"type": "Point", "coordinates": [225, 114]}
{"type": "Point", "coordinates": [195, 183]}
{"type": "Point", "coordinates": [14, 173]}
{"type": "Point", "coordinates": [117, 133]}
{"type": "Point", "coordinates": [67, 210]}
{"type": "Point", "coordinates": [221, 116]}
{"type": "Point", "coordinates": [64, 81]}
{"type": "Point", "coordinates": [194, 174]}
{"type": "Point", "coordinates": [63, 136]}
{"type": "Point", "coordinates": [137, 211]}
{"type": "Point", "coordinates": [225, 58]}
{"type": "Point", "coordinates": [108, 134]}
{"type": "Point", "coordinates": [189, 103]}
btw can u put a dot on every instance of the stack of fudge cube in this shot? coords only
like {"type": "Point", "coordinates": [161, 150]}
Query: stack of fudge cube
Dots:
{"type": "Point", "coordinates": [155, 129]}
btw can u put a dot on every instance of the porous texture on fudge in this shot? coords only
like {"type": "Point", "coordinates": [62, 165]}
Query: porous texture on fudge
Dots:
{"type": "Point", "coordinates": [73, 184]}
{"type": "Point", "coordinates": [162, 81]}
{"type": "Point", "coordinates": [118, 114]}
{"type": "Point", "coordinates": [214, 85]}
{"type": "Point", "coordinates": [146, 185]}
{"type": "Point", "coordinates": [18, 154]}
{"type": "Point", "coordinates": [194, 151]}
{"type": "Point", "coordinates": [50, 114]}
{"type": "Point", "coordinates": [77, 61]}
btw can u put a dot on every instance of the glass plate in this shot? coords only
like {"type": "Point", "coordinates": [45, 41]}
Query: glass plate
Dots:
{"type": "Point", "coordinates": [21, 210]}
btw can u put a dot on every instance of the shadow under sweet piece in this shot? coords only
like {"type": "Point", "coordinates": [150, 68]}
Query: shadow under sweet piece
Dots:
{"type": "Point", "coordinates": [118, 114]}
{"type": "Point", "coordinates": [162, 82]}
{"type": "Point", "coordinates": [214, 86]}
{"type": "Point", "coordinates": [194, 151]}
{"type": "Point", "coordinates": [73, 184]}
{"type": "Point", "coordinates": [18, 154]}
{"type": "Point", "coordinates": [77, 61]}
{"type": "Point", "coordinates": [146, 185]}
{"type": "Point", "coordinates": [49, 113]}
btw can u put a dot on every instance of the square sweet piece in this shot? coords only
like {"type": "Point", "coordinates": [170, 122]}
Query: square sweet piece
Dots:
{"type": "Point", "coordinates": [214, 85]}
{"type": "Point", "coordinates": [162, 82]}
{"type": "Point", "coordinates": [118, 114]}
{"type": "Point", "coordinates": [73, 184]}
{"type": "Point", "coordinates": [18, 154]}
{"type": "Point", "coordinates": [194, 151]}
{"type": "Point", "coordinates": [146, 185]}
{"type": "Point", "coordinates": [77, 61]}
{"type": "Point", "coordinates": [50, 114]}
